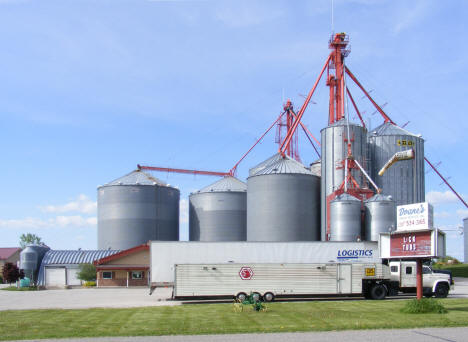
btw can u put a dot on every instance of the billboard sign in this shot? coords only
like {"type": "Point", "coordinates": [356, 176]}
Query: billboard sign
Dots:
{"type": "Point", "coordinates": [416, 216]}
{"type": "Point", "coordinates": [411, 244]}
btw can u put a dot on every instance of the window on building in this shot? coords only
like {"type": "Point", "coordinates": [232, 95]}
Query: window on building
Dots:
{"type": "Point", "coordinates": [106, 275]}
{"type": "Point", "coordinates": [409, 270]}
{"type": "Point", "coordinates": [394, 269]}
{"type": "Point", "coordinates": [137, 274]}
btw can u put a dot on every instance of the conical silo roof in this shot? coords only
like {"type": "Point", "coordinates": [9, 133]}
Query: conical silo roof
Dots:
{"type": "Point", "coordinates": [278, 164]}
{"type": "Point", "coordinates": [380, 198]}
{"type": "Point", "coordinates": [388, 128]}
{"type": "Point", "coordinates": [228, 183]}
{"type": "Point", "coordinates": [136, 177]}
{"type": "Point", "coordinates": [345, 197]}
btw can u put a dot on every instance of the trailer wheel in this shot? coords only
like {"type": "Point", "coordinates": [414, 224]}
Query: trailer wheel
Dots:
{"type": "Point", "coordinates": [256, 297]}
{"type": "Point", "coordinates": [268, 297]}
{"type": "Point", "coordinates": [241, 297]}
{"type": "Point", "coordinates": [441, 291]}
{"type": "Point", "coordinates": [378, 292]}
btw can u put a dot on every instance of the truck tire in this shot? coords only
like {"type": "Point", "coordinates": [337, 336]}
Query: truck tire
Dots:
{"type": "Point", "coordinates": [241, 297]}
{"type": "Point", "coordinates": [378, 292]}
{"type": "Point", "coordinates": [441, 290]}
{"type": "Point", "coordinates": [268, 297]}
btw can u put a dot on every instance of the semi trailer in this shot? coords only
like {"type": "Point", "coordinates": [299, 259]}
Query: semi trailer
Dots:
{"type": "Point", "coordinates": [269, 281]}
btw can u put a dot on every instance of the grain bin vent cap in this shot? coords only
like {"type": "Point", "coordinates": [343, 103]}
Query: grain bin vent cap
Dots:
{"type": "Point", "coordinates": [380, 198]}
{"type": "Point", "coordinates": [137, 177]}
{"type": "Point", "coordinates": [345, 197]}
{"type": "Point", "coordinates": [342, 122]}
{"type": "Point", "coordinates": [278, 164]}
{"type": "Point", "coordinates": [388, 128]}
{"type": "Point", "coordinates": [225, 184]}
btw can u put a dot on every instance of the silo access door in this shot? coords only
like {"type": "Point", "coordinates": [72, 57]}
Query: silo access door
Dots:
{"type": "Point", "coordinates": [344, 278]}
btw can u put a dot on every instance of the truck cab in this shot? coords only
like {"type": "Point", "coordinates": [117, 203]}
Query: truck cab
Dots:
{"type": "Point", "coordinates": [403, 278]}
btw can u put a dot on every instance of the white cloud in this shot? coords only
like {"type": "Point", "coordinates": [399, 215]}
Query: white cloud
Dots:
{"type": "Point", "coordinates": [183, 211]}
{"type": "Point", "coordinates": [59, 221]}
{"type": "Point", "coordinates": [81, 205]}
{"type": "Point", "coordinates": [462, 213]}
{"type": "Point", "coordinates": [438, 197]}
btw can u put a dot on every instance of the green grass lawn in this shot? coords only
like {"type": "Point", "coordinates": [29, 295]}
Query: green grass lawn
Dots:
{"type": "Point", "coordinates": [459, 270]}
{"type": "Point", "coordinates": [222, 319]}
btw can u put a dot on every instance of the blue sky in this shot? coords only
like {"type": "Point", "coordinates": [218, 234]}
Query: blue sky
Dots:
{"type": "Point", "coordinates": [89, 89]}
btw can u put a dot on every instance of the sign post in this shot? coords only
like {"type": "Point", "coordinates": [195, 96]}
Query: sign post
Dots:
{"type": "Point", "coordinates": [415, 239]}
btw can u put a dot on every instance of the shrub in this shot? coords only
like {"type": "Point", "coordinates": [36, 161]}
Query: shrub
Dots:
{"type": "Point", "coordinates": [87, 272]}
{"type": "Point", "coordinates": [424, 305]}
{"type": "Point", "coordinates": [89, 283]}
{"type": "Point", "coordinates": [11, 273]}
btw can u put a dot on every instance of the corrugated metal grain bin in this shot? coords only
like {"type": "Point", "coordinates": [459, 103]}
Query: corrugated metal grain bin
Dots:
{"type": "Point", "coordinates": [334, 151]}
{"type": "Point", "coordinates": [218, 212]}
{"type": "Point", "coordinates": [135, 209]}
{"type": "Point", "coordinates": [283, 202]}
{"type": "Point", "coordinates": [380, 213]}
{"type": "Point", "coordinates": [345, 218]}
{"type": "Point", "coordinates": [404, 181]}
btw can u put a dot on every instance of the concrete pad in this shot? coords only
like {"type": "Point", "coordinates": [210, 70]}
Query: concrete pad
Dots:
{"type": "Point", "coordinates": [84, 298]}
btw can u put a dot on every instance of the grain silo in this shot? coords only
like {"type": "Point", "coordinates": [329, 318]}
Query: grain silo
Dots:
{"type": "Point", "coordinates": [380, 215]}
{"type": "Point", "coordinates": [283, 201]}
{"type": "Point", "coordinates": [465, 232]}
{"type": "Point", "coordinates": [345, 218]}
{"type": "Point", "coordinates": [136, 208]}
{"type": "Point", "coordinates": [30, 260]}
{"type": "Point", "coordinates": [334, 152]}
{"type": "Point", "coordinates": [218, 212]}
{"type": "Point", "coordinates": [404, 181]}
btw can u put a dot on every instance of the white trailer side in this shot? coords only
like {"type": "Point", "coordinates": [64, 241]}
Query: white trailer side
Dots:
{"type": "Point", "coordinates": [229, 280]}
{"type": "Point", "coordinates": [165, 254]}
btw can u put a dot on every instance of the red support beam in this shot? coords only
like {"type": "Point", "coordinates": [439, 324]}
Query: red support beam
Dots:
{"type": "Point", "coordinates": [302, 110]}
{"type": "Point", "coordinates": [185, 171]}
{"type": "Point", "coordinates": [385, 116]}
{"type": "Point", "coordinates": [234, 168]}
{"type": "Point", "coordinates": [446, 182]}
{"type": "Point", "coordinates": [355, 108]}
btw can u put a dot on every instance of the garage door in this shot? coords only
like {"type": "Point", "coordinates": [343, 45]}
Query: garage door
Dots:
{"type": "Point", "coordinates": [55, 276]}
{"type": "Point", "coordinates": [71, 276]}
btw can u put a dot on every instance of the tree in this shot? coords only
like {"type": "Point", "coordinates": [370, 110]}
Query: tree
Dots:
{"type": "Point", "coordinates": [11, 273]}
{"type": "Point", "coordinates": [26, 239]}
{"type": "Point", "coordinates": [87, 272]}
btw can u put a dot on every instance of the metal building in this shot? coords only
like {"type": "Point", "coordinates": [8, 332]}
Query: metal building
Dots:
{"type": "Point", "coordinates": [283, 201]}
{"type": "Point", "coordinates": [380, 215]}
{"type": "Point", "coordinates": [218, 212]}
{"type": "Point", "coordinates": [345, 218]}
{"type": "Point", "coordinates": [404, 181]}
{"type": "Point", "coordinates": [135, 209]}
{"type": "Point", "coordinates": [30, 260]}
{"type": "Point", "coordinates": [334, 151]}
{"type": "Point", "coordinates": [60, 268]}
{"type": "Point", "coordinates": [465, 233]}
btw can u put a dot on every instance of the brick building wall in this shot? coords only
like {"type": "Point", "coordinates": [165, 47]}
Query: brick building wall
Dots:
{"type": "Point", "coordinates": [119, 278]}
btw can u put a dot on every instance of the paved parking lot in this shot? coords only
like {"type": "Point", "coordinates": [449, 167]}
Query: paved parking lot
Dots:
{"type": "Point", "coordinates": [81, 298]}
